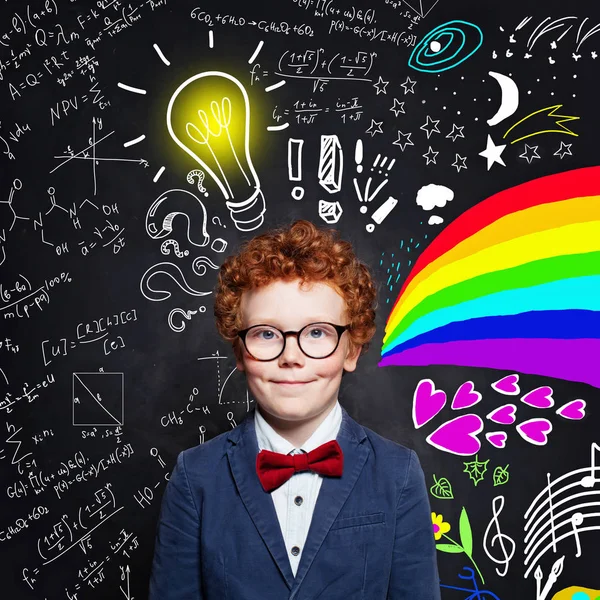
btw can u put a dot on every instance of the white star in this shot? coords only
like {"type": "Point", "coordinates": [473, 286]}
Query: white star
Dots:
{"type": "Point", "coordinates": [430, 156]}
{"type": "Point", "coordinates": [530, 157]}
{"type": "Point", "coordinates": [456, 132]}
{"type": "Point", "coordinates": [374, 127]}
{"type": "Point", "coordinates": [459, 162]}
{"type": "Point", "coordinates": [402, 144]}
{"type": "Point", "coordinates": [594, 54]}
{"type": "Point", "coordinates": [398, 107]}
{"type": "Point", "coordinates": [408, 83]}
{"type": "Point", "coordinates": [380, 86]}
{"type": "Point", "coordinates": [492, 153]}
{"type": "Point", "coordinates": [564, 150]}
{"type": "Point", "coordinates": [427, 126]}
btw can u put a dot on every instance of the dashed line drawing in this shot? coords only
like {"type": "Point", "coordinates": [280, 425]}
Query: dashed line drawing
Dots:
{"type": "Point", "coordinates": [130, 88]}
{"type": "Point", "coordinates": [256, 52]}
{"type": "Point", "coordinates": [161, 55]}
{"type": "Point", "coordinates": [366, 195]}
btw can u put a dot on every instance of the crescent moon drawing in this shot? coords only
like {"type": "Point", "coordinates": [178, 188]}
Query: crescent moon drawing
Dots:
{"type": "Point", "coordinates": [510, 98]}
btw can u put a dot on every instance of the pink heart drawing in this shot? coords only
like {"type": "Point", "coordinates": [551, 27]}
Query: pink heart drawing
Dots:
{"type": "Point", "coordinates": [458, 436]}
{"type": "Point", "coordinates": [466, 396]}
{"type": "Point", "coordinates": [535, 431]}
{"type": "Point", "coordinates": [505, 414]}
{"type": "Point", "coordinates": [496, 438]}
{"type": "Point", "coordinates": [573, 410]}
{"type": "Point", "coordinates": [427, 402]}
{"type": "Point", "coordinates": [540, 397]}
{"type": "Point", "coordinates": [508, 385]}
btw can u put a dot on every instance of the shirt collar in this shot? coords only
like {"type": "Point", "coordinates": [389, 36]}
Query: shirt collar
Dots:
{"type": "Point", "coordinates": [269, 439]}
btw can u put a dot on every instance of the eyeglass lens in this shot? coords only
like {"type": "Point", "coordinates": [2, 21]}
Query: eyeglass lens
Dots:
{"type": "Point", "coordinates": [317, 340]}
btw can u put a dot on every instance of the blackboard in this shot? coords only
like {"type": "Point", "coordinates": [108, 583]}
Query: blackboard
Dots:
{"type": "Point", "coordinates": [411, 126]}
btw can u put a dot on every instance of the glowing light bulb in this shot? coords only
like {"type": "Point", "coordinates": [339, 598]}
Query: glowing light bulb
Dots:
{"type": "Point", "coordinates": [209, 117]}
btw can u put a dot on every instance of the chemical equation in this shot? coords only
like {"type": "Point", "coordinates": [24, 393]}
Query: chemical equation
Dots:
{"type": "Point", "coordinates": [145, 496]}
{"type": "Point", "coordinates": [98, 330]}
{"type": "Point", "coordinates": [177, 418]}
{"type": "Point", "coordinates": [107, 233]}
{"type": "Point", "coordinates": [206, 18]}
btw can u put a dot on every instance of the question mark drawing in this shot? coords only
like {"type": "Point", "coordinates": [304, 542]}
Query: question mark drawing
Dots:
{"type": "Point", "coordinates": [219, 220]}
{"type": "Point", "coordinates": [200, 174]}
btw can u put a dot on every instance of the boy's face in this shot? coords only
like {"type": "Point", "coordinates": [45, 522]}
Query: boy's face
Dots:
{"type": "Point", "coordinates": [288, 307]}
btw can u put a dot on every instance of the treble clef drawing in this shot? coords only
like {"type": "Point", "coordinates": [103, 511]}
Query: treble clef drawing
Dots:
{"type": "Point", "coordinates": [499, 537]}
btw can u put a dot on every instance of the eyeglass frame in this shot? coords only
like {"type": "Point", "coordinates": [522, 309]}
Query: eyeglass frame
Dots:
{"type": "Point", "coordinates": [339, 329]}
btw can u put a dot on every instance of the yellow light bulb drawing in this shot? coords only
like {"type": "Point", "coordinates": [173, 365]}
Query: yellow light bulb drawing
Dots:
{"type": "Point", "coordinates": [209, 117]}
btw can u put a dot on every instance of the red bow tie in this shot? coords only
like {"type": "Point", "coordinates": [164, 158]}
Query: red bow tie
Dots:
{"type": "Point", "coordinates": [274, 468]}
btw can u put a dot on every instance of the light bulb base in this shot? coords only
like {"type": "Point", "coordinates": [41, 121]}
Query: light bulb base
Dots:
{"type": "Point", "coordinates": [248, 215]}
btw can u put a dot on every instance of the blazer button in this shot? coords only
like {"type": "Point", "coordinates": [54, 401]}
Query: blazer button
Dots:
{"type": "Point", "coordinates": [295, 550]}
{"type": "Point", "coordinates": [298, 500]}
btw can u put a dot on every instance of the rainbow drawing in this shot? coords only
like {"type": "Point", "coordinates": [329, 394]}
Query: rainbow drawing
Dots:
{"type": "Point", "coordinates": [511, 284]}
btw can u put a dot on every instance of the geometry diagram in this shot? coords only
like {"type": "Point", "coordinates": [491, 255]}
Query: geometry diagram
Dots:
{"type": "Point", "coordinates": [98, 399]}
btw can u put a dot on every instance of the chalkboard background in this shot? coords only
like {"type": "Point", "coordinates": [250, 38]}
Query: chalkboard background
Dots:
{"type": "Point", "coordinates": [110, 363]}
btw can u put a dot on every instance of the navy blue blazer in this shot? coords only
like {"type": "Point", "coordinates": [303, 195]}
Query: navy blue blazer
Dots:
{"type": "Point", "coordinates": [370, 538]}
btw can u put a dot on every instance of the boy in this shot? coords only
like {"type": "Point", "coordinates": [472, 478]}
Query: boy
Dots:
{"type": "Point", "coordinates": [298, 501]}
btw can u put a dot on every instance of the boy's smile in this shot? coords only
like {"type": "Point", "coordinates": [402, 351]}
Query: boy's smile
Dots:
{"type": "Point", "coordinates": [295, 410]}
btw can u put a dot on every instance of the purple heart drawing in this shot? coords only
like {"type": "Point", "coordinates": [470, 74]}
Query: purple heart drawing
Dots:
{"type": "Point", "coordinates": [535, 431]}
{"type": "Point", "coordinates": [427, 402]}
{"type": "Point", "coordinates": [466, 396]}
{"type": "Point", "coordinates": [496, 438]}
{"type": "Point", "coordinates": [504, 415]}
{"type": "Point", "coordinates": [458, 436]}
{"type": "Point", "coordinates": [508, 385]}
{"type": "Point", "coordinates": [573, 410]}
{"type": "Point", "coordinates": [540, 397]}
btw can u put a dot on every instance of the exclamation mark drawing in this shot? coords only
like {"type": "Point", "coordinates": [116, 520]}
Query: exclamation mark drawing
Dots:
{"type": "Point", "coordinates": [358, 156]}
{"type": "Point", "coordinates": [295, 166]}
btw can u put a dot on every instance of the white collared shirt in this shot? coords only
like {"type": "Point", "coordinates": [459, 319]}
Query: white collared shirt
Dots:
{"type": "Point", "coordinates": [295, 500]}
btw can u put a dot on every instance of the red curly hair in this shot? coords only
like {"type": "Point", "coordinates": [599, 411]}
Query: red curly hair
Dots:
{"type": "Point", "coordinates": [298, 251]}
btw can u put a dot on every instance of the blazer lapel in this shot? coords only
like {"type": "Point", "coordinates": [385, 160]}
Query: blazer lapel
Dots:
{"type": "Point", "coordinates": [333, 494]}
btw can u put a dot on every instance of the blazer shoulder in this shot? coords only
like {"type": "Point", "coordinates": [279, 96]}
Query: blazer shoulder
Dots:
{"type": "Point", "coordinates": [385, 446]}
{"type": "Point", "coordinates": [385, 449]}
{"type": "Point", "coordinates": [404, 460]}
